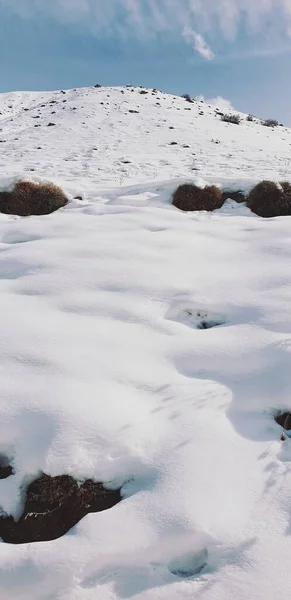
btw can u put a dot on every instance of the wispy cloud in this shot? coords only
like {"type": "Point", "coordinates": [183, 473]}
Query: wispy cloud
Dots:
{"type": "Point", "coordinates": [148, 17]}
{"type": "Point", "coordinates": [198, 42]}
{"type": "Point", "coordinates": [219, 101]}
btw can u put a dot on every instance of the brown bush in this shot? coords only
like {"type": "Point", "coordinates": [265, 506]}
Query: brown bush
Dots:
{"type": "Point", "coordinates": [269, 199]}
{"type": "Point", "coordinates": [190, 197]}
{"type": "Point", "coordinates": [270, 123]}
{"type": "Point", "coordinates": [235, 119]}
{"type": "Point", "coordinates": [29, 198]}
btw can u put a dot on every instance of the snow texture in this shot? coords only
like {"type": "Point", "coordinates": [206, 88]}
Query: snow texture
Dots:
{"type": "Point", "coordinates": [105, 370]}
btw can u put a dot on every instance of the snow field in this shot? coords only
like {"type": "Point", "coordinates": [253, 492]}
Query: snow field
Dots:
{"type": "Point", "coordinates": [104, 373]}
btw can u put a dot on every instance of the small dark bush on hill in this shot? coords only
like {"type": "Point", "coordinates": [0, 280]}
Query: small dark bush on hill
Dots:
{"type": "Point", "coordinates": [187, 97]}
{"type": "Point", "coordinates": [235, 119]}
{"type": "Point", "coordinates": [270, 123]}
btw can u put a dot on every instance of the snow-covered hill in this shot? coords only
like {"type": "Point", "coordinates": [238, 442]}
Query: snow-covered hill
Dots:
{"type": "Point", "coordinates": [104, 372]}
{"type": "Point", "coordinates": [96, 139]}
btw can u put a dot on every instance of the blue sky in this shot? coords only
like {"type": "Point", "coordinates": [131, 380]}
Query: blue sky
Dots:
{"type": "Point", "coordinates": [237, 49]}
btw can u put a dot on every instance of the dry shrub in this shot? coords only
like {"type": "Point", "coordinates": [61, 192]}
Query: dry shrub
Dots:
{"type": "Point", "coordinates": [188, 98]}
{"type": "Point", "coordinates": [190, 197]}
{"type": "Point", "coordinates": [29, 198]}
{"type": "Point", "coordinates": [235, 119]}
{"type": "Point", "coordinates": [269, 199]}
{"type": "Point", "coordinates": [270, 123]}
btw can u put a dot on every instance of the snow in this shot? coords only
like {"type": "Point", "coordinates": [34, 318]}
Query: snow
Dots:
{"type": "Point", "coordinates": [104, 372]}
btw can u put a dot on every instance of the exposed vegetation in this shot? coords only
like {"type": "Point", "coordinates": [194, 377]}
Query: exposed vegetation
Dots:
{"type": "Point", "coordinates": [28, 198]}
{"type": "Point", "coordinates": [190, 197]}
{"type": "Point", "coordinates": [235, 119]}
{"type": "Point", "coordinates": [270, 123]}
{"type": "Point", "coordinates": [269, 199]}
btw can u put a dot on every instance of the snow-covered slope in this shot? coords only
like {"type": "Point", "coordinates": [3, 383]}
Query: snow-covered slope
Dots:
{"type": "Point", "coordinates": [95, 138]}
{"type": "Point", "coordinates": [104, 373]}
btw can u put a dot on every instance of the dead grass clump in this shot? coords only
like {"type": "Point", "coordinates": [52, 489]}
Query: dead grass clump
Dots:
{"type": "Point", "coordinates": [270, 123]}
{"type": "Point", "coordinates": [235, 119]}
{"type": "Point", "coordinates": [190, 197]}
{"type": "Point", "coordinates": [28, 198]}
{"type": "Point", "coordinates": [269, 199]}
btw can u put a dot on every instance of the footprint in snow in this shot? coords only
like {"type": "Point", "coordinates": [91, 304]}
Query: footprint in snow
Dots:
{"type": "Point", "coordinates": [195, 317]}
{"type": "Point", "coordinates": [189, 565]}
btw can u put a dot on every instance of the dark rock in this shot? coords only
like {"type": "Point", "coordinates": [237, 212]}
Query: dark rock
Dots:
{"type": "Point", "coordinates": [284, 419]}
{"type": "Point", "coordinates": [53, 505]}
{"type": "Point", "coordinates": [134, 111]}
{"type": "Point", "coordinates": [209, 324]}
{"type": "Point", "coordinates": [237, 196]}
{"type": "Point", "coordinates": [173, 143]}
{"type": "Point", "coordinates": [97, 85]}
{"type": "Point", "coordinates": [78, 198]}
{"type": "Point", "coordinates": [143, 92]}
{"type": "Point", "coordinates": [5, 468]}
{"type": "Point", "coordinates": [51, 124]}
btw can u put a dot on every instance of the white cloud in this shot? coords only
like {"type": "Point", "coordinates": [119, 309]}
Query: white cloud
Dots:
{"type": "Point", "coordinates": [198, 42]}
{"type": "Point", "coordinates": [148, 17]}
{"type": "Point", "coordinates": [219, 101]}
